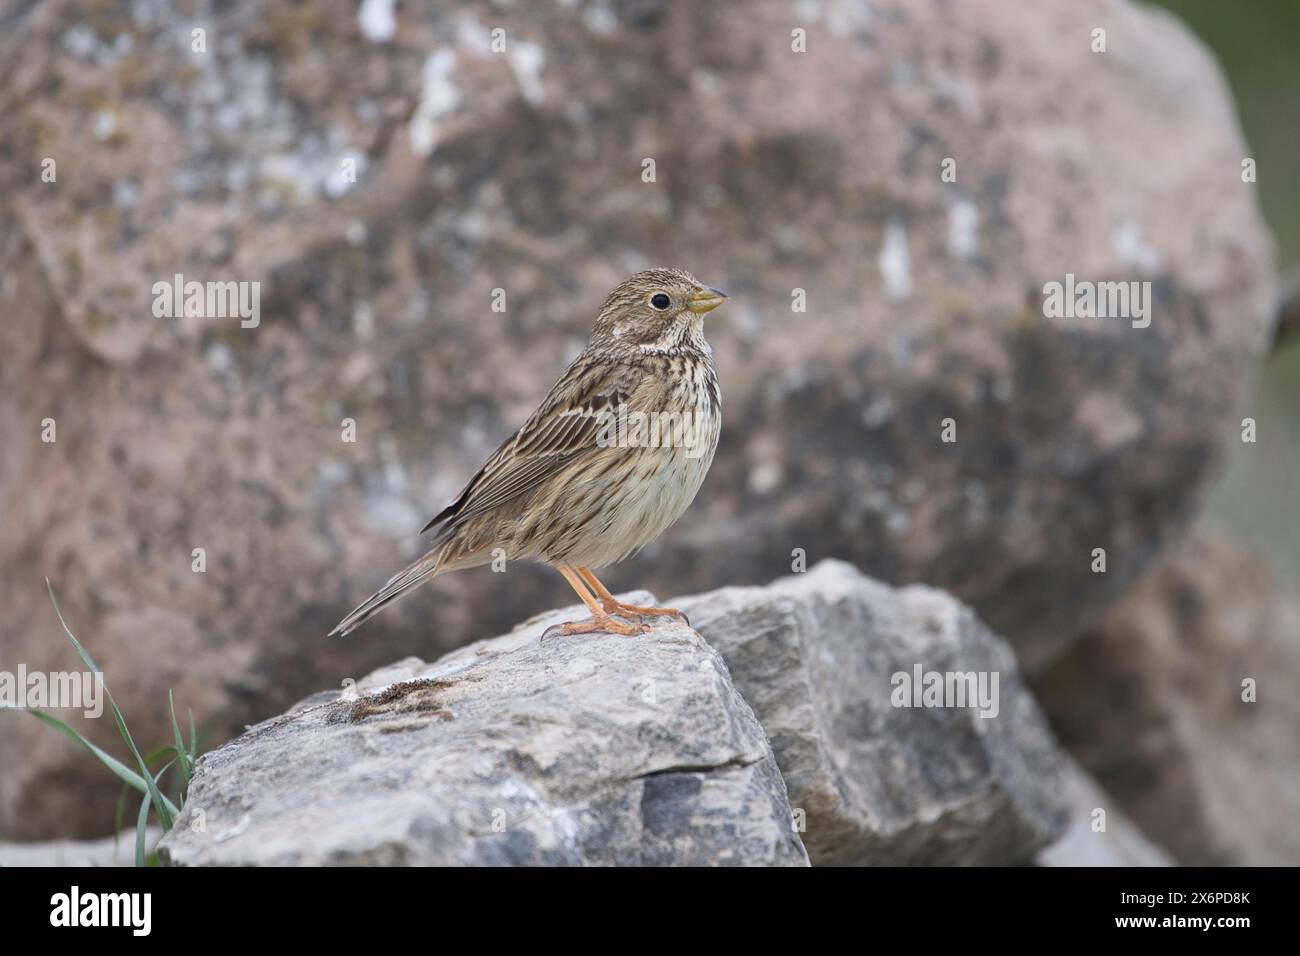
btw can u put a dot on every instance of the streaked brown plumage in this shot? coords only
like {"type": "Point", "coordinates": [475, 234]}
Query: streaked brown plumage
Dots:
{"type": "Point", "coordinates": [574, 488]}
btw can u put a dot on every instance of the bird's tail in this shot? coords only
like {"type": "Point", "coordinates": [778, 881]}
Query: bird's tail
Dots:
{"type": "Point", "coordinates": [398, 585]}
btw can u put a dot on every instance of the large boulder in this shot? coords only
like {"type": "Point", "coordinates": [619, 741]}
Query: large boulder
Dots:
{"type": "Point", "coordinates": [522, 750]}
{"type": "Point", "coordinates": [822, 658]}
{"type": "Point", "coordinates": [778, 175]}
{"type": "Point", "coordinates": [1182, 705]}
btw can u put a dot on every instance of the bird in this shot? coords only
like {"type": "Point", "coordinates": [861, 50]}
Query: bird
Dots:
{"type": "Point", "coordinates": [611, 458]}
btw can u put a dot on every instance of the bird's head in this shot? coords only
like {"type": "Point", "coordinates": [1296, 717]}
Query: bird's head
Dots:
{"type": "Point", "coordinates": [658, 310]}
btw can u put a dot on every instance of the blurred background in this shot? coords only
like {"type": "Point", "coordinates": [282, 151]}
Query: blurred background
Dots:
{"type": "Point", "coordinates": [882, 186]}
{"type": "Point", "coordinates": [1255, 498]}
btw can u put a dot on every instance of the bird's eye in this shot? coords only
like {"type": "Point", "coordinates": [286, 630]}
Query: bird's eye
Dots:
{"type": "Point", "coordinates": [660, 301]}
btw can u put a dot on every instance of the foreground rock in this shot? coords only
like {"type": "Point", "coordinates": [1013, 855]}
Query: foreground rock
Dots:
{"type": "Point", "coordinates": [1151, 704]}
{"type": "Point", "coordinates": [640, 750]}
{"type": "Point", "coordinates": [817, 654]}
{"type": "Point", "coordinates": [818, 172]}
{"type": "Point", "coordinates": [597, 749]}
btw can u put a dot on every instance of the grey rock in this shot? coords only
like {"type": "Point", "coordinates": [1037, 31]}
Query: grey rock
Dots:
{"type": "Point", "coordinates": [593, 749]}
{"type": "Point", "coordinates": [1152, 702]}
{"type": "Point", "coordinates": [1120, 843]}
{"type": "Point", "coordinates": [815, 655]}
{"type": "Point", "coordinates": [817, 171]}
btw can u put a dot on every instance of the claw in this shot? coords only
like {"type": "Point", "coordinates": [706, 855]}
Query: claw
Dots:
{"type": "Point", "coordinates": [641, 613]}
{"type": "Point", "coordinates": [597, 625]}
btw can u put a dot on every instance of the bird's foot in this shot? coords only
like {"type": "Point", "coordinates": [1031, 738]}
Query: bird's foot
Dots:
{"type": "Point", "coordinates": [599, 624]}
{"type": "Point", "coordinates": [641, 613]}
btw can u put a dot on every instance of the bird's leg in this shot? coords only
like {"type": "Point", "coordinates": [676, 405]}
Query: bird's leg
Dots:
{"type": "Point", "coordinates": [613, 605]}
{"type": "Point", "coordinates": [600, 621]}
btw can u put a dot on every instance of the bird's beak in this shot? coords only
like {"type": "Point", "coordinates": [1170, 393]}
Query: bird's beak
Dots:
{"type": "Point", "coordinates": [705, 300]}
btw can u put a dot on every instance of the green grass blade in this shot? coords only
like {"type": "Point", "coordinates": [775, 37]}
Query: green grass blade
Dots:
{"type": "Point", "coordinates": [181, 753]}
{"type": "Point", "coordinates": [166, 809]}
{"type": "Point", "coordinates": [84, 654]}
{"type": "Point", "coordinates": [158, 753]}
{"type": "Point", "coordinates": [125, 773]}
{"type": "Point", "coordinates": [194, 740]}
{"type": "Point", "coordinates": [142, 825]}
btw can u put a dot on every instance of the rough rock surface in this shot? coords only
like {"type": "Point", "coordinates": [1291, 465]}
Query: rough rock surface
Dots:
{"type": "Point", "coordinates": [594, 749]}
{"type": "Point", "coordinates": [1150, 703]}
{"type": "Point", "coordinates": [815, 655]}
{"type": "Point", "coordinates": [816, 171]}
{"type": "Point", "coordinates": [615, 750]}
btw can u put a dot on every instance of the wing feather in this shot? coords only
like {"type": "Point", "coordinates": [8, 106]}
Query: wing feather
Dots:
{"type": "Point", "coordinates": [565, 428]}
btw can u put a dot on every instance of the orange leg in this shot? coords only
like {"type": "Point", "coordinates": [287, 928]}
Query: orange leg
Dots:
{"type": "Point", "coordinates": [613, 605]}
{"type": "Point", "coordinates": [601, 622]}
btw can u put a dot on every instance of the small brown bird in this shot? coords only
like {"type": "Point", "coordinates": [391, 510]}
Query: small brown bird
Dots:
{"type": "Point", "coordinates": [611, 458]}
